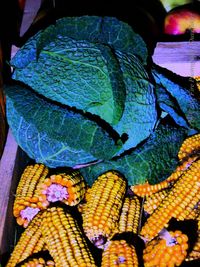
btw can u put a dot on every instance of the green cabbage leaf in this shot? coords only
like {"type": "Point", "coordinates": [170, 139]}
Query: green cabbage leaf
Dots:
{"type": "Point", "coordinates": [55, 135]}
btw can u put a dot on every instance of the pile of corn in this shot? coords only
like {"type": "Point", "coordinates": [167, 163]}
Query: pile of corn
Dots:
{"type": "Point", "coordinates": [66, 222]}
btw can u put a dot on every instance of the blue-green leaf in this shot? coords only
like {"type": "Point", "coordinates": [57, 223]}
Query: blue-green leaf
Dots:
{"type": "Point", "coordinates": [55, 135]}
{"type": "Point", "coordinates": [153, 161]}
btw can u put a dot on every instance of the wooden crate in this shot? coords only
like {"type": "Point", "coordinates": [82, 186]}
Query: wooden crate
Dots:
{"type": "Point", "coordinates": [14, 160]}
{"type": "Point", "coordinates": [12, 164]}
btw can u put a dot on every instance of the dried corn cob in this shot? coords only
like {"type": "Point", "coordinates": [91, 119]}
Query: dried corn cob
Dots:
{"type": "Point", "coordinates": [195, 253]}
{"type": "Point", "coordinates": [179, 197]}
{"type": "Point", "coordinates": [64, 239]}
{"type": "Point", "coordinates": [190, 146]}
{"type": "Point", "coordinates": [27, 242]}
{"type": "Point", "coordinates": [130, 214]}
{"type": "Point", "coordinates": [119, 253]}
{"type": "Point", "coordinates": [26, 204]}
{"type": "Point", "coordinates": [36, 262]}
{"type": "Point", "coordinates": [197, 79]}
{"type": "Point", "coordinates": [68, 188]}
{"type": "Point", "coordinates": [167, 250]}
{"type": "Point", "coordinates": [191, 211]}
{"type": "Point", "coordinates": [83, 202]}
{"type": "Point", "coordinates": [145, 190]}
{"type": "Point", "coordinates": [102, 210]}
{"type": "Point", "coordinates": [153, 201]}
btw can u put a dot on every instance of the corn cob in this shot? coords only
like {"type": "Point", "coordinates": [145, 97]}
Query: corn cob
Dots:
{"type": "Point", "coordinates": [179, 197]}
{"type": "Point", "coordinates": [119, 253]}
{"type": "Point", "coordinates": [83, 202]}
{"type": "Point", "coordinates": [197, 79]}
{"type": "Point", "coordinates": [27, 242]}
{"type": "Point", "coordinates": [102, 210]}
{"type": "Point", "coordinates": [146, 189]}
{"type": "Point", "coordinates": [153, 201]}
{"type": "Point", "coordinates": [64, 239]}
{"type": "Point", "coordinates": [130, 214]}
{"type": "Point", "coordinates": [195, 253]}
{"type": "Point", "coordinates": [190, 146]}
{"type": "Point", "coordinates": [68, 188]}
{"type": "Point", "coordinates": [167, 250]}
{"type": "Point", "coordinates": [36, 262]}
{"type": "Point", "coordinates": [26, 204]}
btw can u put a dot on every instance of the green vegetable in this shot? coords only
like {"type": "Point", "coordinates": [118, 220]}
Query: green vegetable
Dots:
{"type": "Point", "coordinates": [93, 64]}
{"type": "Point", "coordinates": [82, 97]}
{"type": "Point", "coordinates": [55, 135]}
{"type": "Point", "coordinates": [153, 161]}
{"type": "Point", "coordinates": [187, 101]}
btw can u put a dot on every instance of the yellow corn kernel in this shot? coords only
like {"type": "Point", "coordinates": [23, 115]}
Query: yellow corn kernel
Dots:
{"type": "Point", "coordinates": [119, 253]}
{"type": "Point", "coordinates": [153, 201]}
{"type": "Point", "coordinates": [102, 210]}
{"type": "Point", "coordinates": [169, 248]}
{"type": "Point", "coordinates": [27, 242]}
{"type": "Point", "coordinates": [26, 199]}
{"type": "Point", "coordinates": [64, 239]}
{"type": "Point", "coordinates": [130, 215]}
{"type": "Point", "coordinates": [68, 188]}
{"type": "Point", "coordinates": [37, 261]}
{"type": "Point", "coordinates": [178, 196]}
{"type": "Point", "coordinates": [189, 147]}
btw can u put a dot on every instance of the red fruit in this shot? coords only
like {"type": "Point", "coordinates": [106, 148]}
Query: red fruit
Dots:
{"type": "Point", "coordinates": [180, 21]}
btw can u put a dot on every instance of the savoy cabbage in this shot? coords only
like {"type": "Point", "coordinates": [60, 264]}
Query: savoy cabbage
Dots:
{"type": "Point", "coordinates": [83, 97]}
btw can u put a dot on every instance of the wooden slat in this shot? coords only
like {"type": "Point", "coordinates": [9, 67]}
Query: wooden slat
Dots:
{"type": "Point", "coordinates": [12, 164]}
{"type": "Point", "coordinates": [7, 165]}
{"type": "Point", "coordinates": [182, 58]}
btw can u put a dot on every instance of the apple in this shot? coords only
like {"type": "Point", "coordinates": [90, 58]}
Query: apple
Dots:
{"type": "Point", "coordinates": [180, 21]}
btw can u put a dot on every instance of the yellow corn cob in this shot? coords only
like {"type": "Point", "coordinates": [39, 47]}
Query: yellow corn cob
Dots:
{"type": "Point", "coordinates": [191, 211]}
{"type": "Point", "coordinates": [37, 262]}
{"type": "Point", "coordinates": [130, 214]}
{"type": "Point", "coordinates": [65, 187]}
{"type": "Point", "coordinates": [64, 239]}
{"type": "Point", "coordinates": [119, 253]}
{"type": "Point", "coordinates": [26, 204]}
{"type": "Point", "coordinates": [168, 250]}
{"type": "Point", "coordinates": [83, 202]}
{"type": "Point", "coordinates": [187, 154]}
{"type": "Point", "coordinates": [102, 210]}
{"type": "Point", "coordinates": [40, 245]}
{"type": "Point", "coordinates": [153, 201]}
{"type": "Point", "coordinates": [197, 78]}
{"type": "Point", "coordinates": [146, 189]}
{"type": "Point", "coordinates": [195, 253]}
{"type": "Point", "coordinates": [191, 145]}
{"type": "Point", "coordinates": [27, 242]}
{"type": "Point", "coordinates": [179, 197]}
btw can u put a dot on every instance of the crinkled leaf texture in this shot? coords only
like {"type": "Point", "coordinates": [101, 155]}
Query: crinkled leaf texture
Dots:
{"type": "Point", "coordinates": [53, 134]}
{"type": "Point", "coordinates": [187, 101]}
{"type": "Point", "coordinates": [74, 62]}
{"type": "Point", "coordinates": [96, 65]}
{"type": "Point", "coordinates": [153, 161]}
{"type": "Point", "coordinates": [170, 106]}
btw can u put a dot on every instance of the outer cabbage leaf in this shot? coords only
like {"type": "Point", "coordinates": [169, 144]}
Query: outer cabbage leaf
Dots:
{"type": "Point", "coordinates": [188, 103]}
{"type": "Point", "coordinates": [169, 105]}
{"type": "Point", "coordinates": [153, 161]}
{"type": "Point", "coordinates": [140, 114]}
{"type": "Point", "coordinates": [75, 73]}
{"type": "Point", "coordinates": [104, 30]}
{"type": "Point", "coordinates": [55, 135]}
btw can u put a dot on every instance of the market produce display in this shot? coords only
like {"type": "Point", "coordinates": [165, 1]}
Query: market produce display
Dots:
{"type": "Point", "coordinates": [116, 140]}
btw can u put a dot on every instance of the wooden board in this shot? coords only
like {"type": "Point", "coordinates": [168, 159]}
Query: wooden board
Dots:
{"type": "Point", "coordinates": [182, 58]}
{"type": "Point", "coordinates": [11, 165]}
